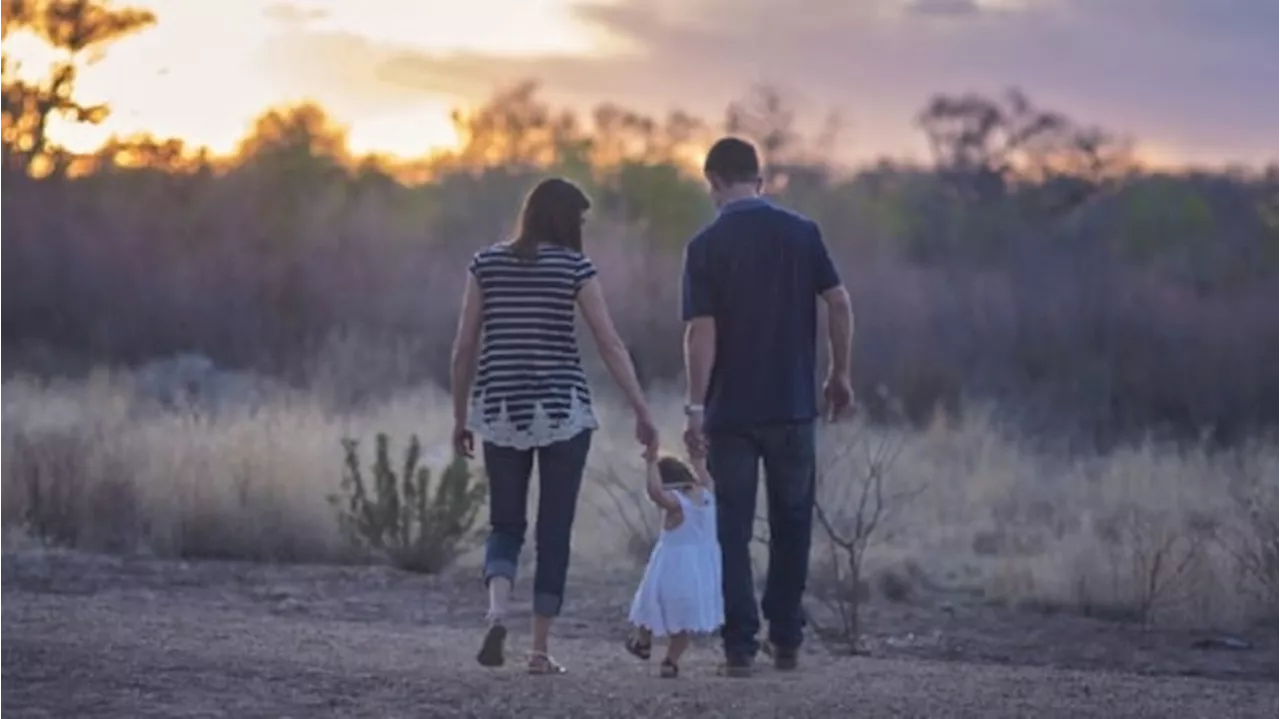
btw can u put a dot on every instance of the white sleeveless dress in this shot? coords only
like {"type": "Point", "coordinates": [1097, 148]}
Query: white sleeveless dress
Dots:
{"type": "Point", "coordinates": [681, 589]}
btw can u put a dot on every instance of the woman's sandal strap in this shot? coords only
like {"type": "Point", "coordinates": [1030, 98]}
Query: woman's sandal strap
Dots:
{"type": "Point", "coordinates": [669, 669]}
{"type": "Point", "coordinates": [542, 663]}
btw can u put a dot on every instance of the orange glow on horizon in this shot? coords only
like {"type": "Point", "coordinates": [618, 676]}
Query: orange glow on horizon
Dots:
{"type": "Point", "coordinates": [205, 71]}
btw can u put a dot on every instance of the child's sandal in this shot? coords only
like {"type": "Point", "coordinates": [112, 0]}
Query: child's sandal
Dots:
{"type": "Point", "coordinates": [639, 648]}
{"type": "Point", "coordinates": [668, 670]}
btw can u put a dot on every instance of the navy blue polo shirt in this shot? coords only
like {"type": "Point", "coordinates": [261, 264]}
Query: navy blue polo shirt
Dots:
{"type": "Point", "coordinates": [758, 270]}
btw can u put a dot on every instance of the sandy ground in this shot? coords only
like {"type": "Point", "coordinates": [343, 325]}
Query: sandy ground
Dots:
{"type": "Point", "coordinates": [107, 637]}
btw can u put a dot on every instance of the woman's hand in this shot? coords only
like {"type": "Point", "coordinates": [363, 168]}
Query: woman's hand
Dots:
{"type": "Point", "coordinates": [464, 442]}
{"type": "Point", "coordinates": [647, 434]}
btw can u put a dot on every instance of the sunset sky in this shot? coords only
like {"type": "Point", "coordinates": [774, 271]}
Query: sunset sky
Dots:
{"type": "Point", "coordinates": [1192, 80]}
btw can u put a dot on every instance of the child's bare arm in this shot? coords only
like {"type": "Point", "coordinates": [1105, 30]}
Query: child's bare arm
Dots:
{"type": "Point", "coordinates": [653, 485]}
{"type": "Point", "coordinates": [700, 471]}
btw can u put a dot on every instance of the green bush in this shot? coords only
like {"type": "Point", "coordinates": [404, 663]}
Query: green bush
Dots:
{"type": "Point", "coordinates": [400, 516]}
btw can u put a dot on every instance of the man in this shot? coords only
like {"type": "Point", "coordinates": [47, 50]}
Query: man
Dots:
{"type": "Point", "coordinates": [751, 282]}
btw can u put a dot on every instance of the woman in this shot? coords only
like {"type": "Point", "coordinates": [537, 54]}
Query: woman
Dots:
{"type": "Point", "coordinates": [527, 396]}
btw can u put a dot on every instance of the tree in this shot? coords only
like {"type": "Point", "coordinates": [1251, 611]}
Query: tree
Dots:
{"type": "Point", "coordinates": [764, 115]}
{"type": "Point", "coordinates": [792, 162]}
{"type": "Point", "coordinates": [518, 129]}
{"type": "Point", "coordinates": [78, 29]}
{"type": "Point", "coordinates": [301, 134]}
{"type": "Point", "coordinates": [619, 135]}
{"type": "Point", "coordinates": [984, 146]}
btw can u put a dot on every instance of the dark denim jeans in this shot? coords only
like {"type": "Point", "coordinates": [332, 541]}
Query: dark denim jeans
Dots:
{"type": "Point", "coordinates": [734, 458]}
{"type": "Point", "coordinates": [560, 468]}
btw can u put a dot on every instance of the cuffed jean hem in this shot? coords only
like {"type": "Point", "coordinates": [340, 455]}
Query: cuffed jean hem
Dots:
{"type": "Point", "coordinates": [502, 556]}
{"type": "Point", "coordinates": [547, 605]}
{"type": "Point", "coordinates": [499, 568]}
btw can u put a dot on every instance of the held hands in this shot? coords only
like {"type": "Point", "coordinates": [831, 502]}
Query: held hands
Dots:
{"type": "Point", "coordinates": [647, 434]}
{"type": "Point", "coordinates": [695, 439]}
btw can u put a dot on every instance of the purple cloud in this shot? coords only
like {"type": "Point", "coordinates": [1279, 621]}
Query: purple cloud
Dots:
{"type": "Point", "coordinates": [1196, 76]}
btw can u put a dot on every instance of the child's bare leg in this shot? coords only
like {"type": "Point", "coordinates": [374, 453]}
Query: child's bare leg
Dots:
{"type": "Point", "coordinates": [676, 646]}
{"type": "Point", "coordinates": [644, 635]}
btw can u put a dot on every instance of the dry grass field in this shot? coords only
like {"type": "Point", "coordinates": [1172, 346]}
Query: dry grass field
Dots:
{"type": "Point", "coordinates": [209, 578]}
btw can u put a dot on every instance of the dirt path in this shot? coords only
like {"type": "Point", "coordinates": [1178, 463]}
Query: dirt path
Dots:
{"type": "Point", "coordinates": [176, 640]}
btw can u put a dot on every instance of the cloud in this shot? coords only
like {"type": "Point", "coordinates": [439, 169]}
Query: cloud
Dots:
{"type": "Point", "coordinates": [353, 75]}
{"type": "Point", "coordinates": [292, 15]}
{"type": "Point", "coordinates": [1191, 75]}
{"type": "Point", "coordinates": [947, 8]}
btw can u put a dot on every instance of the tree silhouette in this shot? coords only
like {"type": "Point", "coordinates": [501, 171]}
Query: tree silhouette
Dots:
{"type": "Point", "coordinates": [299, 134]}
{"type": "Point", "coordinates": [76, 28]}
{"type": "Point", "coordinates": [143, 151]}
{"type": "Point", "coordinates": [765, 116]}
{"type": "Point", "coordinates": [518, 129]}
{"type": "Point", "coordinates": [983, 145]}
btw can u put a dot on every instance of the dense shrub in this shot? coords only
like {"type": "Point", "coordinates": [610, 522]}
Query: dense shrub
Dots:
{"type": "Point", "coordinates": [398, 513]}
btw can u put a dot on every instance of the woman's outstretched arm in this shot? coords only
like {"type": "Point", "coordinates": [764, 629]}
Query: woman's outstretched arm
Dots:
{"type": "Point", "coordinates": [466, 345]}
{"type": "Point", "coordinates": [612, 350]}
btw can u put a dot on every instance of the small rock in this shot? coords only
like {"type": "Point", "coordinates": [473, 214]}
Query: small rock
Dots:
{"type": "Point", "coordinates": [289, 606]}
{"type": "Point", "coordinates": [1234, 643]}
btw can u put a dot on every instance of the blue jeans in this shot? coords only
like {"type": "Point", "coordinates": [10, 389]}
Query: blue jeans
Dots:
{"type": "Point", "coordinates": [560, 468]}
{"type": "Point", "coordinates": [734, 457]}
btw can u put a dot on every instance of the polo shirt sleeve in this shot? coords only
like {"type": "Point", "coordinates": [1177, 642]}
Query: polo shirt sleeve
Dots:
{"type": "Point", "coordinates": [696, 297]}
{"type": "Point", "coordinates": [825, 275]}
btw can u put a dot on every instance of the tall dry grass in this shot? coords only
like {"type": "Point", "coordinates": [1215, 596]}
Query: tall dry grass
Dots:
{"type": "Point", "coordinates": [1150, 533]}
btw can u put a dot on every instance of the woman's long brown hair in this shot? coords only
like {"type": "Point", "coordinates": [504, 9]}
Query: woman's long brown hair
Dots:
{"type": "Point", "coordinates": [552, 214]}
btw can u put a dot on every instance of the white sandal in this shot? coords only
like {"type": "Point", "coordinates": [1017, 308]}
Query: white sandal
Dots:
{"type": "Point", "coordinates": [541, 663]}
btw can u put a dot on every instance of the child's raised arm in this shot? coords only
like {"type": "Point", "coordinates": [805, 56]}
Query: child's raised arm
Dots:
{"type": "Point", "coordinates": [700, 471]}
{"type": "Point", "coordinates": [653, 484]}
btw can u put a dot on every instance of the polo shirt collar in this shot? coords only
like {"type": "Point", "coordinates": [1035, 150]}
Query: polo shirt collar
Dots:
{"type": "Point", "coordinates": [745, 203]}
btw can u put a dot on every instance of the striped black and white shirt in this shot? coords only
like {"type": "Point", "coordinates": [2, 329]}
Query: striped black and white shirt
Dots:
{"type": "Point", "coordinates": [530, 388]}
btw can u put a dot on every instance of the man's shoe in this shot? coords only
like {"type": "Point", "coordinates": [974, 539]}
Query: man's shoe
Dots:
{"type": "Point", "coordinates": [736, 667]}
{"type": "Point", "coordinates": [786, 660]}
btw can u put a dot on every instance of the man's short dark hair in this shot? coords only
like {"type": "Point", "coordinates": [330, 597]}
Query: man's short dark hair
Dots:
{"type": "Point", "coordinates": [733, 160]}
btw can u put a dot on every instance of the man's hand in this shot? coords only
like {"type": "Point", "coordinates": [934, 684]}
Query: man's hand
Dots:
{"type": "Point", "coordinates": [837, 397]}
{"type": "Point", "coordinates": [695, 440]}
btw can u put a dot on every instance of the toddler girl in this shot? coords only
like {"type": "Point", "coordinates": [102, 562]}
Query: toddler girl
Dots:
{"type": "Point", "coordinates": [680, 594]}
